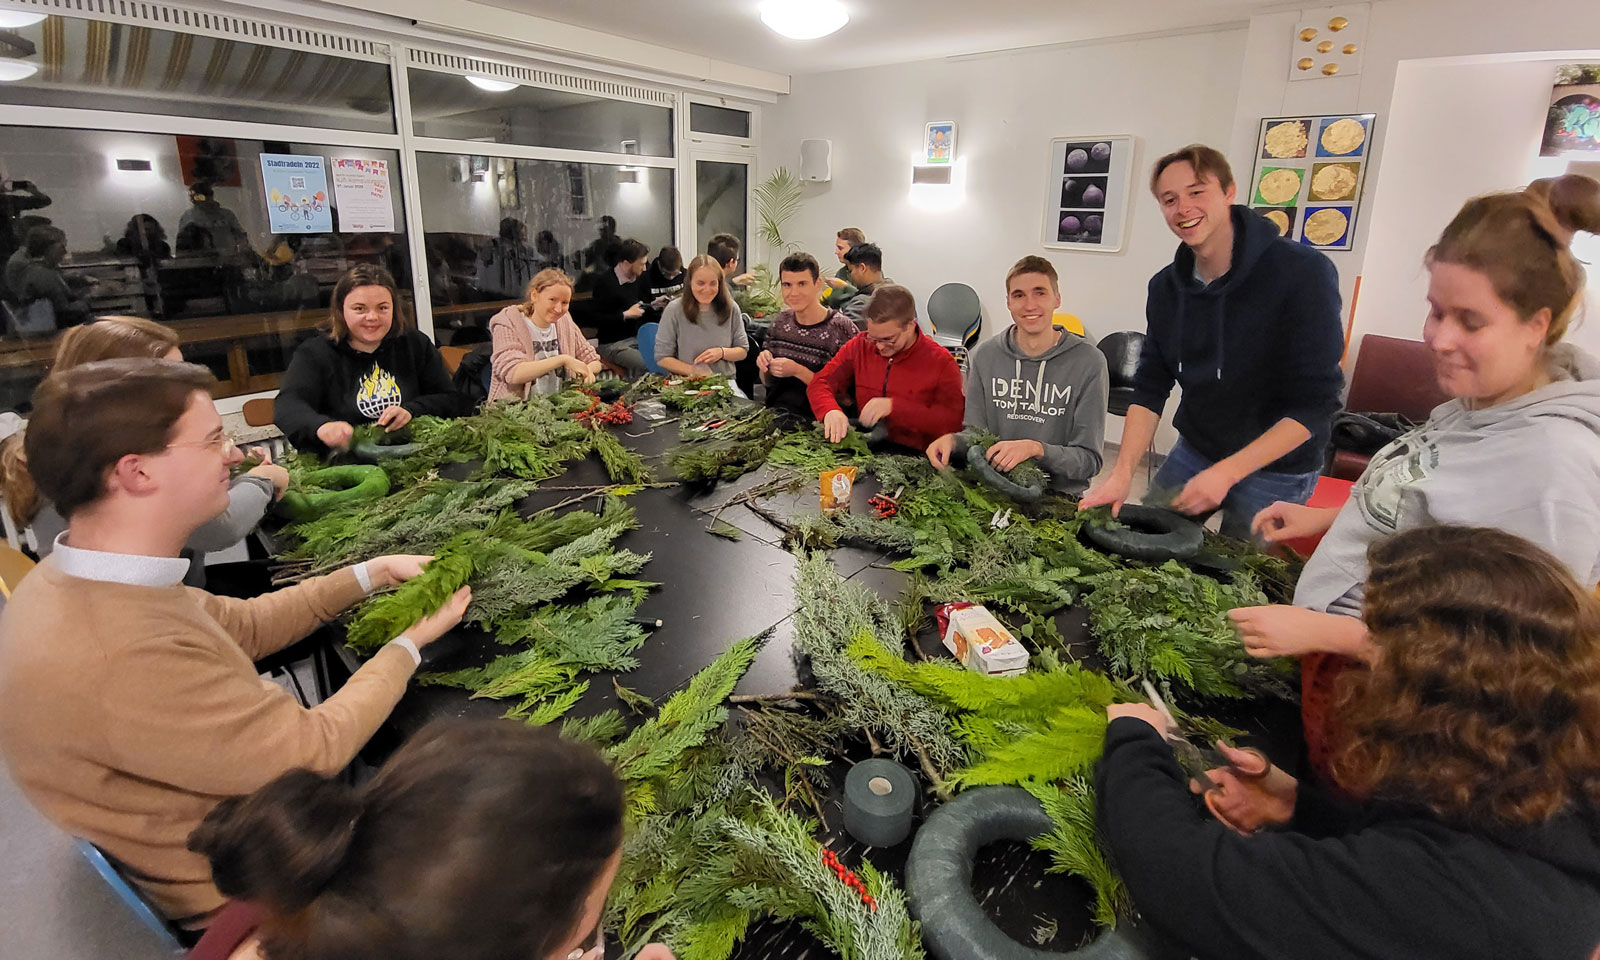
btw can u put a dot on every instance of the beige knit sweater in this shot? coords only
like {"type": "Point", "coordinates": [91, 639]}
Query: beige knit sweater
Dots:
{"type": "Point", "coordinates": [127, 712]}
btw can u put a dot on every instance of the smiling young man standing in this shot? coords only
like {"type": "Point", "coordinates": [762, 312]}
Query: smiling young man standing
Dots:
{"type": "Point", "coordinates": [1248, 324]}
{"type": "Point", "coordinates": [1038, 388]}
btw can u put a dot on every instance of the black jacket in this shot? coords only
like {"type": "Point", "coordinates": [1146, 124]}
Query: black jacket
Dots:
{"type": "Point", "coordinates": [1342, 883]}
{"type": "Point", "coordinates": [609, 301]}
{"type": "Point", "coordinates": [655, 284]}
{"type": "Point", "coordinates": [328, 381]}
{"type": "Point", "coordinates": [1260, 343]}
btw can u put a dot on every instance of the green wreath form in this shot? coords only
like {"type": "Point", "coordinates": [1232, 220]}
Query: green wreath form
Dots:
{"type": "Point", "coordinates": [1149, 534]}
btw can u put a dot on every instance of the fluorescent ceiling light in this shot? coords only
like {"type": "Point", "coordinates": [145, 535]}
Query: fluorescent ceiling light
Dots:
{"type": "Point", "coordinates": [16, 70]}
{"type": "Point", "coordinates": [13, 19]}
{"type": "Point", "coordinates": [493, 86]}
{"type": "Point", "coordinates": [804, 19]}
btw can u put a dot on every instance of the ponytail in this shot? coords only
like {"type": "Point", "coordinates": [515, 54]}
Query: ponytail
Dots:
{"type": "Point", "coordinates": [1573, 198]}
{"type": "Point", "coordinates": [16, 483]}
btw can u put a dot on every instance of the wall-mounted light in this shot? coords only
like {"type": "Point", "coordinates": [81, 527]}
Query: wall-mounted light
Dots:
{"type": "Point", "coordinates": [937, 188]}
{"type": "Point", "coordinates": [16, 70]}
{"type": "Point", "coordinates": [17, 19]}
{"type": "Point", "coordinates": [492, 86]}
{"type": "Point", "coordinates": [627, 174]}
{"type": "Point", "coordinates": [128, 165]}
{"type": "Point", "coordinates": [804, 19]}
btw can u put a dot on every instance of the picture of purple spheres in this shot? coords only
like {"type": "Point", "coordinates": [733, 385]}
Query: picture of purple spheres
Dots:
{"type": "Point", "coordinates": [1071, 225]}
{"type": "Point", "coordinates": [1094, 196]}
{"type": "Point", "coordinates": [1077, 159]}
{"type": "Point", "coordinates": [1094, 223]}
{"type": "Point", "coordinates": [1101, 152]}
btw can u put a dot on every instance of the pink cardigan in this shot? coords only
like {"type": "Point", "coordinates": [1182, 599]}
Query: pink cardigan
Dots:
{"type": "Point", "coordinates": [513, 344]}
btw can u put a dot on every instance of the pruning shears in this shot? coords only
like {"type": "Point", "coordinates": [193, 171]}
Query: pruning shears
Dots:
{"type": "Point", "coordinates": [713, 424]}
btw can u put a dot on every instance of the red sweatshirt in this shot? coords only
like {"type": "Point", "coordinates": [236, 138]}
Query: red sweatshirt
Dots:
{"type": "Point", "coordinates": [922, 380]}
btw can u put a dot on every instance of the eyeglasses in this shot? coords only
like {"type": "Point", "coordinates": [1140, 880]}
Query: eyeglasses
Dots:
{"type": "Point", "coordinates": [224, 444]}
{"type": "Point", "coordinates": [882, 341]}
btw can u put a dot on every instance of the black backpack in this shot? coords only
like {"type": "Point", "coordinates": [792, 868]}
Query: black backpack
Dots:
{"type": "Point", "coordinates": [472, 377]}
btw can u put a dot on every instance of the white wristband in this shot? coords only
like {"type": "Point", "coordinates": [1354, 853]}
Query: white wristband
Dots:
{"type": "Point", "coordinates": [409, 646]}
{"type": "Point", "coordinates": [363, 577]}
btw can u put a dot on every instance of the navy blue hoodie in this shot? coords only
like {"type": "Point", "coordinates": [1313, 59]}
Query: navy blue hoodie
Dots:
{"type": "Point", "coordinates": [1256, 345]}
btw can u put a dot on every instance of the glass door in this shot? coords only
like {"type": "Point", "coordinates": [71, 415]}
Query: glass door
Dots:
{"type": "Point", "coordinates": [721, 199]}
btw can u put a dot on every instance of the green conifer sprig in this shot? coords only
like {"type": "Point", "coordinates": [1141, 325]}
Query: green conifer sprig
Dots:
{"type": "Point", "coordinates": [385, 617]}
{"type": "Point", "coordinates": [1074, 845]}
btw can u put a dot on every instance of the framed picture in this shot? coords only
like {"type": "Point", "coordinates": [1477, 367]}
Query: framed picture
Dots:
{"type": "Point", "coordinates": [939, 142]}
{"type": "Point", "coordinates": [1309, 176]}
{"type": "Point", "coordinates": [1086, 193]}
{"type": "Point", "coordinates": [1572, 125]}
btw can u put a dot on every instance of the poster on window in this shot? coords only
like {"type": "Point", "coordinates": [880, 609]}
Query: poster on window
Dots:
{"type": "Point", "coordinates": [361, 189]}
{"type": "Point", "coordinates": [297, 193]}
{"type": "Point", "coordinates": [1086, 193]}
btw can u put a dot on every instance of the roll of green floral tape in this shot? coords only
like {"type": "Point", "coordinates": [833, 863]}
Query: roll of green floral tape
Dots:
{"type": "Point", "coordinates": [879, 796]}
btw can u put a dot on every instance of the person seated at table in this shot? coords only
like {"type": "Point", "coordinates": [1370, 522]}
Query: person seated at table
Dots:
{"type": "Point", "coordinates": [1038, 388]}
{"type": "Point", "coordinates": [110, 338]}
{"type": "Point", "coordinates": [129, 705]}
{"type": "Point", "coordinates": [724, 248]}
{"type": "Point", "coordinates": [373, 366]}
{"type": "Point", "coordinates": [865, 262]}
{"type": "Point", "coordinates": [478, 840]}
{"type": "Point", "coordinates": [837, 290]}
{"type": "Point", "coordinates": [1470, 750]}
{"type": "Point", "coordinates": [702, 332]}
{"type": "Point", "coordinates": [33, 277]}
{"type": "Point", "coordinates": [1516, 448]}
{"type": "Point", "coordinates": [894, 373]}
{"type": "Point", "coordinates": [663, 280]}
{"type": "Point", "coordinates": [617, 306]}
{"type": "Point", "coordinates": [536, 343]}
{"type": "Point", "coordinates": [802, 338]}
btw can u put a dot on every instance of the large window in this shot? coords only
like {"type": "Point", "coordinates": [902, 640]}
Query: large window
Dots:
{"type": "Point", "coordinates": [237, 254]}
{"type": "Point", "coordinates": [95, 65]}
{"type": "Point", "coordinates": [453, 107]}
{"type": "Point", "coordinates": [491, 223]}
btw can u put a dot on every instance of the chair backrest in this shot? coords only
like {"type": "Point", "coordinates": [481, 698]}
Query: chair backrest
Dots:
{"type": "Point", "coordinates": [258, 412]}
{"type": "Point", "coordinates": [14, 565]}
{"type": "Point", "coordinates": [1068, 322]}
{"type": "Point", "coordinates": [452, 358]}
{"type": "Point", "coordinates": [647, 346]}
{"type": "Point", "coordinates": [954, 311]}
{"type": "Point", "coordinates": [1394, 375]}
{"type": "Point", "coordinates": [130, 896]}
{"type": "Point", "coordinates": [1121, 351]}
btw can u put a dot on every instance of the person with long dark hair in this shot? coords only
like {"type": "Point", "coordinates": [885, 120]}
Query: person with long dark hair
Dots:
{"type": "Point", "coordinates": [702, 332]}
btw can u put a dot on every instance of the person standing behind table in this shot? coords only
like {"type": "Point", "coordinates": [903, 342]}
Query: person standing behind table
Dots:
{"type": "Point", "coordinates": [536, 343]}
{"type": "Point", "coordinates": [371, 367]}
{"type": "Point", "coordinates": [802, 339]}
{"type": "Point", "coordinates": [702, 332]}
{"type": "Point", "coordinates": [617, 308]}
{"type": "Point", "coordinates": [1038, 388]}
{"type": "Point", "coordinates": [16, 198]}
{"type": "Point", "coordinates": [836, 290]}
{"type": "Point", "coordinates": [663, 280]}
{"type": "Point", "coordinates": [1471, 758]}
{"type": "Point", "coordinates": [1247, 322]}
{"type": "Point", "coordinates": [129, 704]}
{"type": "Point", "coordinates": [894, 374]}
{"type": "Point", "coordinates": [865, 262]}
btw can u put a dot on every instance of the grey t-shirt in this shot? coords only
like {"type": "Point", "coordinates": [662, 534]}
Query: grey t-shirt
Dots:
{"type": "Point", "coordinates": [684, 340]}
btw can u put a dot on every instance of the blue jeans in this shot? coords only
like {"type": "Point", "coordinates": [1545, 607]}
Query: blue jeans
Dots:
{"type": "Point", "coordinates": [1247, 498]}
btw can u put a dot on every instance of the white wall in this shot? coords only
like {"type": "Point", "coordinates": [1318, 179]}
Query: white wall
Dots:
{"type": "Point", "coordinates": [1167, 92]}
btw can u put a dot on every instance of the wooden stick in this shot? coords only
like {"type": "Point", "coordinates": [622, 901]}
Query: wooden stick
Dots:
{"type": "Point", "coordinates": [877, 748]}
{"type": "Point", "coordinates": [939, 788]}
{"type": "Point", "coordinates": [775, 697]}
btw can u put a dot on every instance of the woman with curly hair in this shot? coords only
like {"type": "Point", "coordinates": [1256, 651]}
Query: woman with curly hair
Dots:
{"type": "Point", "coordinates": [1472, 747]}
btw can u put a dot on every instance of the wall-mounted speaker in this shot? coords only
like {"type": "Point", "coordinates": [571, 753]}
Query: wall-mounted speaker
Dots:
{"type": "Point", "coordinates": [816, 160]}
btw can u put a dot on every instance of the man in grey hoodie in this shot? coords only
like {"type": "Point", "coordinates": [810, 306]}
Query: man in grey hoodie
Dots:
{"type": "Point", "coordinates": [1040, 389]}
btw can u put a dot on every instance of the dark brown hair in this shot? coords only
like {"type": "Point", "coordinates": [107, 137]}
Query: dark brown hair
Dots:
{"type": "Point", "coordinates": [669, 259]}
{"type": "Point", "coordinates": [1033, 264]}
{"type": "Point", "coordinates": [628, 251]}
{"type": "Point", "coordinates": [1206, 161]}
{"type": "Point", "coordinates": [892, 302]}
{"type": "Point", "coordinates": [865, 253]}
{"type": "Point", "coordinates": [364, 275]}
{"type": "Point", "coordinates": [111, 337]}
{"type": "Point", "coordinates": [722, 248]}
{"type": "Point", "coordinates": [89, 417]}
{"type": "Point", "coordinates": [722, 306]}
{"type": "Point", "coordinates": [800, 263]}
{"type": "Point", "coordinates": [852, 234]}
{"type": "Point", "coordinates": [1573, 198]}
{"type": "Point", "coordinates": [542, 281]}
{"type": "Point", "coordinates": [478, 840]}
{"type": "Point", "coordinates": [1520, 243]}
{"type": "Point", "coordinates": [1485, 699]}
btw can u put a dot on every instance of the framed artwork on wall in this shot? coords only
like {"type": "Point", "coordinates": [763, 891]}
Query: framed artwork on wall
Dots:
{"type": "Point", "coordinates": [1087, 192]}
{"type": "Point", "coordinates": [939, 142]}
{"type": "Point", "coordinates": [1309, 176]}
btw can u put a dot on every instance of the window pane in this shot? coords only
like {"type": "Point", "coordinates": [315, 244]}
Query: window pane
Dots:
{"type": "Point", "coordinates": [450, 107]}
{"type": "Point", "coordinates": [722, 121]}
{"type": "Point", "coordinates": [491, 223]}
{"type": "Point", "coordinates": [95, 65]}
{"type": "Point", "coordinates": [721, 193]}
{"type": "Point", "coordinates": [99, 222]}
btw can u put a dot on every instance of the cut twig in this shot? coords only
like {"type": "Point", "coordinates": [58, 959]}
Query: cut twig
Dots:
{"type": "Point", "coordinates": [776, 697]}
{"type": "Point", "coordinates": [938, 785]}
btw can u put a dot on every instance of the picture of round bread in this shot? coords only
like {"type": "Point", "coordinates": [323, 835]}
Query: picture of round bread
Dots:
{"type": "Point", "coordinates": [1280, 220]}
{"type": "Point", "coordinates": [1343, 136]}
{"type": "Point", "coordinates": [1279, 186]}
{"type": "Point", "coordinates": [1286, 140]}
{"type": "Point", "coordinates": [1336, 181]}
{"type": "Point", "coordinates": [1326, 226]}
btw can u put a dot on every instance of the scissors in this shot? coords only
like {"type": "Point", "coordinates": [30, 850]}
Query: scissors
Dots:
{"type": "Point", "coordinates": [1193, 760]}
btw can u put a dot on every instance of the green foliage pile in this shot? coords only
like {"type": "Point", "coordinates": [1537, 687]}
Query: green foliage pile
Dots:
{"type": "Point", "coordinates": [807, 452]}
{"type": "Point", "coordinates": [726, 452]}
{"type": "Point", "coordinates": [698, 397]}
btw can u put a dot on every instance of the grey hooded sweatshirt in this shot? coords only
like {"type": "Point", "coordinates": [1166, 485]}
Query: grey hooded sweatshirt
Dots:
{"type": "Point", "coordinates": [1529, 467]}
{"type": "Point", "coordinates": [1057, 398]}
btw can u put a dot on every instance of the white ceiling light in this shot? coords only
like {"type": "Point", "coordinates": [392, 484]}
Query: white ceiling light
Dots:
{"type": "Point", "coordinates": [493, 86]}
{"type": "Point", "coordinates": [13, 19]}
{"type": "Point", "coordinates": [16, 70]}
{"type": "Point", "coordinates": [804, 19]}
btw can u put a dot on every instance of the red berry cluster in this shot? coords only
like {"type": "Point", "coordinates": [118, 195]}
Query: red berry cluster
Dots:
{"type": "Point", "coordinates": [848, 878]}
{"type": "Point", "coordinates": [884, 506]}
{"type": "Point", "coordinates": [618, 412]}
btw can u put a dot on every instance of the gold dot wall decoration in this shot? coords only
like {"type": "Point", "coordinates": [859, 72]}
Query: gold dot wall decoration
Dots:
{"type": "Point", "coordinates": [1327, 42]}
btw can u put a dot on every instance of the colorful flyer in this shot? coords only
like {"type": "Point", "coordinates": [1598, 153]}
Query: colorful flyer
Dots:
{"type": "Point", "coordinates": [361, 188]}
{"type": "Point", "coordinates": [297, 193]}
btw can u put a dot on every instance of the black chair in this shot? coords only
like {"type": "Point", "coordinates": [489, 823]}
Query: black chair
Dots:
{"type": "Point", "coordinates": [1121, 351]}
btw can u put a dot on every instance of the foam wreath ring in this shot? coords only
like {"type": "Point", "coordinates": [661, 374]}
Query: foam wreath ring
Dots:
{"type": "Point", "coordinates": [369, 452]}
{"type": "Point", "coordinates": [1150, 534]}
{"type": "Point", "coordinates": [939, 880]}
{"type": "Point", "coordinates": [978, 460]}
{"type": "Point", "coordinates": [339, 486]}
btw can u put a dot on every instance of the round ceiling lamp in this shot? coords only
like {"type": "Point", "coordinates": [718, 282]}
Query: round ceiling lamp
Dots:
{"type": "Point", "coordinates": [804, 19]}
{"type": "Point", "coordinates": [16, 70]}
{"type": "Point", "coordinates": [493, 86]}
{"type": "Point", "coordinates": [14, 19]}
